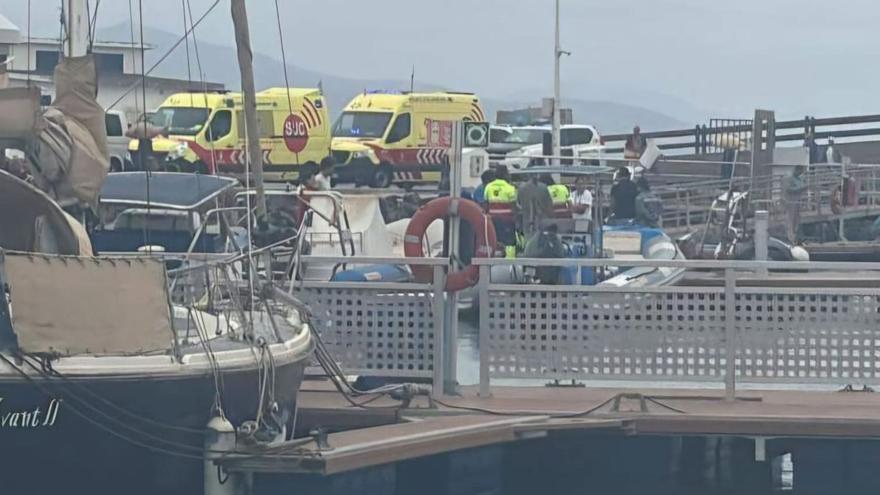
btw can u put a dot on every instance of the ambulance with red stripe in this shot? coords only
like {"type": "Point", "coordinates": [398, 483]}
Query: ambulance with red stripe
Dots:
{"type": "Point", "coordinates": [381, 137]}
{"type": "Point", "coordinates": [205, 132]}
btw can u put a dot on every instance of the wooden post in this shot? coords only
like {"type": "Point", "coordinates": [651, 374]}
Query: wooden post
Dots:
{"type": "Point", "coordinates": [249, 101]}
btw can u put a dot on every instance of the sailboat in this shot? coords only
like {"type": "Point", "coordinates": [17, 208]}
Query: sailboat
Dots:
{"type": "Point", "coordinates": [111, 367]}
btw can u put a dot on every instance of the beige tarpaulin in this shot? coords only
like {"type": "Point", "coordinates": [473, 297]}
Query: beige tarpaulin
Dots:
{"type": "Point", "coordinates": [78, 305]}
{"type": "Point", "coordinates": [70, 151]}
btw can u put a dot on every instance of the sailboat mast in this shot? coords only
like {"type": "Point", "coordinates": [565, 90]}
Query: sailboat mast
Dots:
{"type": "Point", "coordinates": [249, 99]}
{"type": "Point", "coordinates": [76, 19]}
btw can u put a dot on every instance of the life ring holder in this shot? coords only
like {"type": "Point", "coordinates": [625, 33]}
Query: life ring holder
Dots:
{"type": "Point", "coordinates": [447, 207]}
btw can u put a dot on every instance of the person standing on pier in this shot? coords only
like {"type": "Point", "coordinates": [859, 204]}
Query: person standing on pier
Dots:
{"type": "Point", "coordinates": [322, 180]}
{"type": "Point", "coordinates": [649, 208]}
{"type": "Point", "coordinates": [582, 202]}
{"type": "Point", "coordinates": [535, 204]}
{"type": "Point", "coordinates": [623, 196]}
{"type": "Point", "coordinates": [831, 153]}
{"type": "Point", "coordinates": [560, 196]}
{"type": "Point", "coordinates": [795, 188]}
{"type": "Point", "coordinates": [501, 197]}
{"type": "Point", "coordinates": [635, 145]}
{"type": "Point", "coordinates": [480, 192]}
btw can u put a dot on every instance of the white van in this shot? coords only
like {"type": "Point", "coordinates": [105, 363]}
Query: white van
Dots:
{"type": "Point", "coordinates": [117, 142]}
{"type": "Point", "coordinates": [577, 140]}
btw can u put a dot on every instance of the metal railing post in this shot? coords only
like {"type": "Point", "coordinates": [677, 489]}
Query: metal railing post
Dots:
{"type": "Point", "coordinates": [439, 307]}
{"type": "Point", "coordinates": [485, 271]}
{"type": "Point", "coordinates": [762, 222]}
{"type": "Point", "coordinates": [730, 334]}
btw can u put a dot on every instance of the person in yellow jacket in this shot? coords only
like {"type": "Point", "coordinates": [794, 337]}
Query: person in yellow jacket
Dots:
{"type": "Point", "coordinates": [561, 197]}
{"type": "Point", "coordinates": [500, 197]}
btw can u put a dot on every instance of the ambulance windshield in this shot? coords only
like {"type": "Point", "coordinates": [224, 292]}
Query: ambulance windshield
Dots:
{"type": "Point", "coordinates": [186, 121]}
{"type": "Point", "coordinates": [361, 124]}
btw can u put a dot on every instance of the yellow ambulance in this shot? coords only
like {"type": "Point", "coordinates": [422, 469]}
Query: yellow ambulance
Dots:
{"type": "Point", "coordinates": [205, 132]}
{"type": "Point", "coordinates": [381, 137]}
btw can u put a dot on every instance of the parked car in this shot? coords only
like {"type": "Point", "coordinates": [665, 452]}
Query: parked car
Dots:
{"type": "Point", "coordinates": [502, 140]}
{"type": "Point", "coordinates": [117, 142]}
{"type": "Point", "coordinates": [576, 140]}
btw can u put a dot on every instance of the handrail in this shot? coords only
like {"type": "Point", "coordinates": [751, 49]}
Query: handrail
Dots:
{"type": "Point", "coordinates": [694, 264]}
{"type": "Point", "coordinates": [699, 133]}
{"type": "Point", "coordinates": [378, 260]}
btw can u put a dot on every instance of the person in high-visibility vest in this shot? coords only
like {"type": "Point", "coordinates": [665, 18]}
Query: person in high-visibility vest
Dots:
{"type": "Point", "coordinates": [560, 196]}
{"type": "Point", "coordinates": [500, 197]}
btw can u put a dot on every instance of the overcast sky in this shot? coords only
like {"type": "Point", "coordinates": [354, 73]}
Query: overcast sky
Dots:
{"type": "Point", "coordinates": [795, 56]}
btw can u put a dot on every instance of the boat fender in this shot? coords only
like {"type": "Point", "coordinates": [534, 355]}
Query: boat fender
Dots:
{"type": "Point", "coordinates": [219, 437]}
{"type": "Point", "coordinates": [447, 207]}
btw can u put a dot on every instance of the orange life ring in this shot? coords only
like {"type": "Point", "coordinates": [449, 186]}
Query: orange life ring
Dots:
{"type": "Point", "coordinates": [446, 207]}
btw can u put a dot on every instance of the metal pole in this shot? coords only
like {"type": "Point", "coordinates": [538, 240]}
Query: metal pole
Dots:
{"type": "Point", "coordinates": [730, 334]}
{"type": "Point", "coordinates": [485, 273]}
{"type": "Point", "coordinates": [77, 20]}
{"type": "Point", "coordinates": [841, 234]}
{"type": "Point", "coordinates": [557, 53]}
{"type": "Point", "coordinates": [439, 307]}
{"type": "Point", "coordinates": [762, 221]}
{"type": "Point", "coordinates": [450, 333]}
{"type": "Point", "coordinates": [249, 100]}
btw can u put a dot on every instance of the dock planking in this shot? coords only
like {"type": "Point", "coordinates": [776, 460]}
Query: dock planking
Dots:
{"type": "Point", "coordinates": [514, 414]}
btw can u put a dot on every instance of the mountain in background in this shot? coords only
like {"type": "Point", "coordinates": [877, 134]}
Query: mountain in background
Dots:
{"type": "Point", "coordinates": [220, 64]}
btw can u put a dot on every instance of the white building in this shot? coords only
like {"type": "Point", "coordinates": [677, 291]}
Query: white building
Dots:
{"type": "Point", "coordinates": [119, 66]}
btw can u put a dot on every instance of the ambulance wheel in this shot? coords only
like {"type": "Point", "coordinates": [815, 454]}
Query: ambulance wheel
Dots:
{"type": "Point", "coordinates": [383, 176]}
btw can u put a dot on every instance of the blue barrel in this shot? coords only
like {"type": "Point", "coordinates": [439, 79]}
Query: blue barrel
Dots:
{"type": "Point", "coordinates": [374, 273]}
{"type": "Point", "coordinates": [568, 275]}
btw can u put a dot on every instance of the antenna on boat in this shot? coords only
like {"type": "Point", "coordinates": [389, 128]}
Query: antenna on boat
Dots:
{"type": "Point", "coordinates": [249, 101]}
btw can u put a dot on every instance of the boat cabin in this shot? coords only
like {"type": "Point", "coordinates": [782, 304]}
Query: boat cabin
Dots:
{"type": "Point", "coordinates": [167, 212]}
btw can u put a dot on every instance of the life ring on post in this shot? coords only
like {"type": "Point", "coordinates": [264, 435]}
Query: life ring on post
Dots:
{"type": "Point", "coordinates": [447, 207]}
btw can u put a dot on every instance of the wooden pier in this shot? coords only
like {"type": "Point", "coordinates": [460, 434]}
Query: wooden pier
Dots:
{"type": "Point", "coordinates": [524, 436]}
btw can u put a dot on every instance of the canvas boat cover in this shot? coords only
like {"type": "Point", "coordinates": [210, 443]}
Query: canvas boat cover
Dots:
{"type": "Point", "coordinates": [78, 305]}
{"type": "Point", "coordinates": [166, 189]}
{"type": "Point", "coordinates": [66, 145]}
{"type": "Point", "coordinates": [31, 221]}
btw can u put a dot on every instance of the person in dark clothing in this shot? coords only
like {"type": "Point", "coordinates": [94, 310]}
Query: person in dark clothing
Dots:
{"type": "Point", "coordinates": [546, 243]}
{"type": "Point", "coordinates": [649, 208]}
{"type": "Point", "coordinates": [623, 196]}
